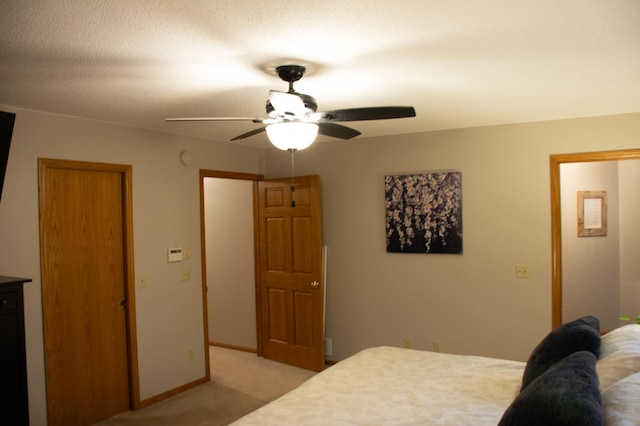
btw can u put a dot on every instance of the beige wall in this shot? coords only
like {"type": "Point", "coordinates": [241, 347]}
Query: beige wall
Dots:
{"type": "Point", "coordinates": [471, 303]}
{"type": "Point", "coordinates": [166, 214]}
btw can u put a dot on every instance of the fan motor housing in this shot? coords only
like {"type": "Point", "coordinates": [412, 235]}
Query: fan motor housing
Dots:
{"type": "Point", "coordinates": [309, 103]}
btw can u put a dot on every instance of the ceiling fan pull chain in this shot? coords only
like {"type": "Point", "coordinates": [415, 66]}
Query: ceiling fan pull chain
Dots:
{"type": "Point", "coordinates": [293, 182]}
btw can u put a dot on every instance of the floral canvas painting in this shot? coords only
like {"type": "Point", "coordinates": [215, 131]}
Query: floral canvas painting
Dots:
{"type": "Point", "coordinates": [424, 213]}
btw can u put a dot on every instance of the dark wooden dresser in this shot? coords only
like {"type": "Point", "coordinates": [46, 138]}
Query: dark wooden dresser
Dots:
{"type": "Point", "coordinates": [14, 407]}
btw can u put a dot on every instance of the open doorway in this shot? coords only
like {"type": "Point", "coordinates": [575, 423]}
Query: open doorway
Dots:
{"type": "Point", "coordinates": [287, 266]}
{"type": "Point", "coordinates": [568, 252]}
{"type": "Point", "coordinates": [229, 258]}
{"type": "Point", "coordinates": [230, 262]}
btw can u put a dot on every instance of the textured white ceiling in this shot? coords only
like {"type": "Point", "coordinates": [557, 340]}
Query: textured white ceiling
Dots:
{"type": "Point", "coordinates": [460, 63]}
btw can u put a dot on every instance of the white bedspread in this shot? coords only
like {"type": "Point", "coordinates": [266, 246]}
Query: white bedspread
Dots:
{"type": "Point", "coordinates": [394, 386]}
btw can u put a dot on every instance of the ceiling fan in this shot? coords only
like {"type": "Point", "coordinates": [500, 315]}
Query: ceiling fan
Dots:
{"type": "Point", "coordinates": [290, 113]}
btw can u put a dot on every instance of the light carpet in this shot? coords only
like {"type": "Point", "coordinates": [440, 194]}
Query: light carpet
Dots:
{"type": "Point", "coordinates": [240, 383]}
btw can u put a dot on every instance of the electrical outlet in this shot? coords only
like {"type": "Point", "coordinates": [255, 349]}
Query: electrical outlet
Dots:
{"type": "Point", "coordinates": [406, 343]}
{"type": "Point", "coordinates": [522, 271]}
{"type": "Point", "coordinates": [142, 281]}
{"type": "Point", "coordinates": [436, 346]}
{"type": "Point", "coordinates": [190, 354]}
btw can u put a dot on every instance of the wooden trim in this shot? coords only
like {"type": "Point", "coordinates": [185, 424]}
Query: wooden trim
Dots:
{"type": "Point", "coordinates": [229, 175]}
{"type": "Point", "coordinates": [256, 259]}
{"type": "Point", "coordinates": [234, 347]}
{"type": "Point", "coordinates": [556, 244]}
{"type": "Point", "coordinates": [584, 157]}
{"type": "Point", "coordinates": [130, 284]}
{"type": "Point", "coordinates": [173, 392]}
{"type": "Point", "coordinates": [203, 265]}
{"type": "Point", "coordinates": [555, 161]}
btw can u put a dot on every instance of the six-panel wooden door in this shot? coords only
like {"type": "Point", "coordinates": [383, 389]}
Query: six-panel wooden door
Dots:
{"type": "Point", "coordinates": [290, 274]}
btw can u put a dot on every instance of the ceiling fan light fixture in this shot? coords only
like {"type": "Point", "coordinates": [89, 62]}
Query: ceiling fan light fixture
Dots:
{"type": "Point", "coordinates": [292, 135]}
{"type": "Point", "coordinates": [293, 122]}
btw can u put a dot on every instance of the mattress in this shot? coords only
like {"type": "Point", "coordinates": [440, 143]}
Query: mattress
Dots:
{"type": "Point", "coordinates": [397, 386]}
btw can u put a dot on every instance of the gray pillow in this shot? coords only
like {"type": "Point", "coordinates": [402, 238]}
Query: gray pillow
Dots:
{"type": "Point", "coordinates": [582, 334]}
{"type": "Point", "coordinates": [566, 394]}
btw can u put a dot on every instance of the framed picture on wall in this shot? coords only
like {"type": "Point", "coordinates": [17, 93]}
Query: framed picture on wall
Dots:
{"type": "Point", "coordinates": [424, 213]}
{"type": "Point", "coordinates": [592, 213]}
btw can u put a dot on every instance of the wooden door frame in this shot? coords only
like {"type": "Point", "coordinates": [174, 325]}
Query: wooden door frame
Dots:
{"type": "Point", "coordinates": [555, 161]}
{"type": "Point", "coordinates": [129, 275]}
{"type": "Point", "coordinates": [237, 176]}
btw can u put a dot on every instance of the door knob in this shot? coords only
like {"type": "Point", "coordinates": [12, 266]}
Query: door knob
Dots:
{"type": "Point", "coordinates": [123, 304]}
{"type": "Point", "coordinates": [315, 284]}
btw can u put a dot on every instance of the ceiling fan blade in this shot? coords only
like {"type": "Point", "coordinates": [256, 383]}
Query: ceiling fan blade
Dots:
{"type": "Point", "coordinates": [337, 131]}
{"type": "Point", "coordinates": [251, 133]}
{"type": "Point", "coordinates": [255, 120]}
{"type": "Point", "coordinates": [370, 113]}
{"type": "Point", "coordinates": [286, 103]}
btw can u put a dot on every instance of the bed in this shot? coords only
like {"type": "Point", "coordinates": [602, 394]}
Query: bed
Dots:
{"type": "Point", "coordinates": [573, 377]}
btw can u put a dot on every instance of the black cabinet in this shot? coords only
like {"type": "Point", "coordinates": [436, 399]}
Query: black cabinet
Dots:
{"type": "Point", "coordinates": [14, 408]}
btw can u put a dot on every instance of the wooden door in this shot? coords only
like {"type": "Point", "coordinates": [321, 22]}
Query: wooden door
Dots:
{"type": "Point", "coordinates": [83, 262]}
{"type": "Point", "coordinates": [291, 290]}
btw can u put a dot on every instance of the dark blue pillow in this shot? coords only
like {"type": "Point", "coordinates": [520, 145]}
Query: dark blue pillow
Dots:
{"type": "Point", "coordinates": [566, 394]}
{"type": "Point", "coordinates": [582, 334]}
